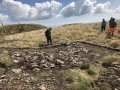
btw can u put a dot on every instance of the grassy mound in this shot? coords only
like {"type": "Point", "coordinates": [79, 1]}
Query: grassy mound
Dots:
{"type": "Point", "coordinates": [18, 28]}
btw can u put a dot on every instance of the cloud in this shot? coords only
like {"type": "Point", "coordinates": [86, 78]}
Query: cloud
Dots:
{"type": "Point", "coordinates": [3, 17]}
{"type": "Point", "coordinates": [69, 10]}
{"type": "Point", "coordinates": [82, 7]}
{"type": "Point", "coordinates": [117, 10]}
{"type": "Point", "coordinates": [102, 7]}
{"type": "Point", "coordinates": [18, 11]}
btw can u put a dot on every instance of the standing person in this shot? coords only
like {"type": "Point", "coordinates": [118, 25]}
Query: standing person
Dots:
{"type": "Point", "coordinates": [103, 25]}
{"type": "Point", "coordinates": [110, 21]}
{"type": "Point", "coordinates": [112, 29]}
{"type": "Point", "coordinates": [48, 36]}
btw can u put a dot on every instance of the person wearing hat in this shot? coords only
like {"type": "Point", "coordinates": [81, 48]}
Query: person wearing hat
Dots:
{"type": "Point", "coordinates": [48, 36]}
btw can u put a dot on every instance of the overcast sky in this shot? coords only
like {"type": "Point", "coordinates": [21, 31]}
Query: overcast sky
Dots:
{"type": "Point", "coordinates": [58, 12]}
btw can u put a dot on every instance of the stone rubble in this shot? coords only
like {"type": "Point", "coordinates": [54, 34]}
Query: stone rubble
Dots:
{"type": "Point", "coordinates": [56, 58]}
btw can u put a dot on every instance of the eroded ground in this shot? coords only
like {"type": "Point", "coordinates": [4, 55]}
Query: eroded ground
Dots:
{"type": "Point", "coordinates": [58, 68]}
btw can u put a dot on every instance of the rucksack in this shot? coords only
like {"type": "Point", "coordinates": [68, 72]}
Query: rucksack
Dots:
{"type": "Point", "coordinates": [47, 32]}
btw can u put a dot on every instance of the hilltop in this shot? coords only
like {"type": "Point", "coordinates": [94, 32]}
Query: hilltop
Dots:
{"type": "Point", "coordinates": [18, 28]}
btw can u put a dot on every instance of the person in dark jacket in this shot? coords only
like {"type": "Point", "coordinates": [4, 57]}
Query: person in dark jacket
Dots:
{"type": "Point", "coordinates": [113, 26]}
{"type": "Point", "coordinates": [103, 25]}
{"type": "Point", "coordinates": [48, 36]}
{"type": "Point", "coordinates": [110, 21]}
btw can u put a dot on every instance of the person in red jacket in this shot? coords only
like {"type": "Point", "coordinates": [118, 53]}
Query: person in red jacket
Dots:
{"type": "Point", "coordinates": [113, 26]}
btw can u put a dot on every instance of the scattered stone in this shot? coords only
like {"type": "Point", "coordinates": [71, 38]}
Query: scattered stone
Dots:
{"type": "Point", "coordinates": [52, 65]}
{"type": "Point", "coordinates": [59, 62]}
{"type": "Point", "coordinates": [15, 61]}
{"type": "Point", "coordinates": [35, 61]}
{"type": "Point", "coordinates": [17, 71]}
{"type": "Point", "coordinates": [85, 50]}
{"type": "Point", "coordinates": [45, 66]}
{"type": "Point", "coordinates": [34, 65]}
{"type": "Point", "coordinates": [2, 77]}
{"type": "Point", "coordinates": [42, 87]}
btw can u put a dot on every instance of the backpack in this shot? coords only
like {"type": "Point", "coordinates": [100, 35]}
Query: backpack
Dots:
{"type": "Point", "coordinates": [47, 32]}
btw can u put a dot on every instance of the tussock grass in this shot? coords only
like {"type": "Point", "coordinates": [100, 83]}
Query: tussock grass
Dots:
{"type": "Point", "coordinates": [111, 59]}
{"type": "Point", "coordinates": [5, 58]}
{"type": "Point", "coordinates": [77, 79]}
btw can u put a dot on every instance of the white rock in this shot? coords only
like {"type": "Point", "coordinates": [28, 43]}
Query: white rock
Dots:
{"type": "Point", "coordinates": [60, 62]}
{"type": "Point", "coordinates": [42, 87]}
{"type": "Point", "coordinates": [17, 71]}
{"type": "Point", "coordinates": [15, 61]}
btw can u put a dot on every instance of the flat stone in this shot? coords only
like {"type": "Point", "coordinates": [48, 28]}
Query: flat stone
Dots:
{"type": "Point", "coordinates": [17, 71]}
{"type": "Point", "coordinates": [59, 62]}
{"type": "Point", "coordinates": [15, 61]}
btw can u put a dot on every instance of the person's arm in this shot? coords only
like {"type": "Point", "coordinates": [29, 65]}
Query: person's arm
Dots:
{"type": "Point", "coordinates": [49, 32]}
{"type": "Point", "coordinates": [115, 24]}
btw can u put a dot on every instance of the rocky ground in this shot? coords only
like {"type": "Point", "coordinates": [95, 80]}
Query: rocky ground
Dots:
{"type": "Point", "coordinates": [41, 69]}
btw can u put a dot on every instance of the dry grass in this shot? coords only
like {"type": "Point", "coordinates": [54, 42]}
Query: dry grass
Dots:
{"type": "Point", "coordinates": [5, 58]}
{"type": "Point", "coordinates": [67, 33]}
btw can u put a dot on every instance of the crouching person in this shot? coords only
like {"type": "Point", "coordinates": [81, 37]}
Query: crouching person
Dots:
{"type": "Point", "coordinates": [48, 36]}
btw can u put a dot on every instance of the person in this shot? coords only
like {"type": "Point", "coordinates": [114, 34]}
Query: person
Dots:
{"type": "Point", "coordinates": [112, 29]}
{"type": "Point", "coordinates": [103, 25]}
{"type": "Point", "coordinates": [48, 36]}
{"type": "Point", "coordinates": [110, 21]}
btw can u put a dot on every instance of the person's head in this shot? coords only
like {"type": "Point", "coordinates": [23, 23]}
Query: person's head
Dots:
{"type": "Point", "coordinates": [50, 28]}
{"type": "Point", "coordinates": [103, 19]}
{"type": "Point", "coordinates": [113, 19]}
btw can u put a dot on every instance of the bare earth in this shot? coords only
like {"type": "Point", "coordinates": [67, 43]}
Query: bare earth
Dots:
{"type": "Point", "coordinates": [43, 68]}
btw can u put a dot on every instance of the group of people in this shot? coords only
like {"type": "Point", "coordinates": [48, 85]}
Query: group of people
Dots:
{"type": "Point", "coordinates": [112, 26]}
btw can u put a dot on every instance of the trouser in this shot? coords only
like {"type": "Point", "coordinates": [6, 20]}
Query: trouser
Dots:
{"type": "Point", "coordinates": [111, 32]}
{"type": "Point", "coordinates": [103, 28]}
{"type": "Point", "coordinates": [49, 40]}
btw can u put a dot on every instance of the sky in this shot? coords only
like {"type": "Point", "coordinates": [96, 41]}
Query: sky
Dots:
{"type": "Point", "coordinates": [52, 13]}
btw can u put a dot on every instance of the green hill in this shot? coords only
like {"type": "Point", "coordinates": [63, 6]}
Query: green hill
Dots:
{"type": "Point", "coordinates": [18, 28]}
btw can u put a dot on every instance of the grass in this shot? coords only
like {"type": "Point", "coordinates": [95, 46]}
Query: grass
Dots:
{"type": "Point", "coordinates": [2, 70]}
{"type": "Point", "coordinates": [85, 66]}
{"type": "Point", "coordinates": [19, 28]}
{"type": "Point", "coordinates": [76, 79]}
{"type": "Point", "coordinates": [111, 59]}
{"type": "Point", "coordinates": [105, 87]}
{"type": "Point", "coordinates": [5, 58]}
{"type": "Point", "coordinates": [68, 33]}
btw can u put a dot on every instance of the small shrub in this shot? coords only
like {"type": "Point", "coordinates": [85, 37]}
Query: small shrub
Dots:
{"type": "Point", "coordinates": [105, 87]}
{"type": "Point", "coordinates": [108, 61]}
{"type": "Point", "coordinates": [5, 58]}
{"type": "Point", "coordinates": [83, 86]}
{"type": "Point", "coordinates": [2, 71]}
{"type": "Point", "coordinates": [69, 80]}
{"type": "Point", "coordinates": [85, 66]}
{"type": "Point", "coordinates": [90, 72]}
{"type": "Point", "coordinates": [114, 45]}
